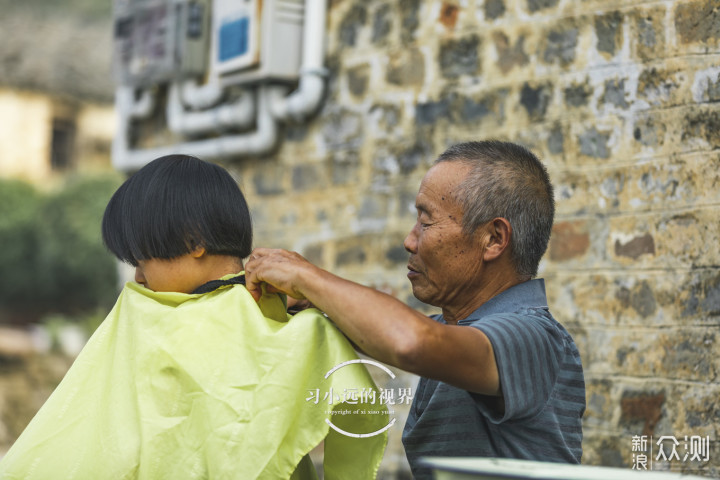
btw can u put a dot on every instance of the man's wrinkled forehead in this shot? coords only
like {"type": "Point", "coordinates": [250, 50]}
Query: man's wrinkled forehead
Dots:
{"type": "Point", "coordinates": [440, 186]}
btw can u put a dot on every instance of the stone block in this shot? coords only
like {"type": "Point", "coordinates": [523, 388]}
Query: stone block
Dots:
{"type": "Point", "coordinates": [269, 179]}
{"type": "Point", "coordinates": [592, 141]}
{"type": "Point", "coordinates": [698, 410]}
{"type": "Point", "coordinates": [538, 5]}
{"type": "Point", "coordinates": [358, 79]}
{"type": "Point", "coordinates": [556, 140]}
{"type": "Point", "coordinates": [599, 400]}
{"type": "Point", "coordinates": [350, 255]}
{"type": "Point", "coordinates": [308, 177]}
{"type": "Point", "coordinates": [417, 155]}
{"type": "Point", "coordinates": [459, 56]}
{"type": "Point", "coordinates": [406, 203]}
{"type": "Point", "coordinates": [560, 45]}
{"type": "Point", "coordinates": [706, 85]}
{"type": "Point", "coordinates": [448, 16]}
{"type": "Point", "coordinates": [578, 94]}
{"type": "Point", "coordinates": [490, 107]}
{"type": "Point", "coordinates": [385, 120]}
{"type": "Point", "coordinates": [397, 255]}
{"type": "Point", "coordinates": [351, 24]}
{"type": "Point", "coordinates": [410, 15]}
{"type": "Point", "coordinates": [662, 86]}
{"type": "Point", "coordinates": [431, 112]}
{"type": "Point", "coordinates": [344, 167]}
{"type": "Point", "coordinates": [649, 131]}
{"type": "Point", "coordinates": [373, 207]}
{"type": "Point", "coordinates": [635, 247]}
{"type": "Point", "coordinates": [406, 68]}
{"type": "Point", "coordinates": [615, 93]}
{"type": "Point", "coordinates": [641, 411]}
{"type": "Point", "coordinates": [701, 295]}
{"type": "Point", "coordinates": [315, 254]}
{"type": "Point", "coordinates": [382, 23]}
{"type": "Point", "coordinates": [595, 143]}
{"type": "Point", "coordinates": [639, 297]}
{"type": "Point", "coordinates": [342, 129]}
{"type": "Point", "coordinates": [494, 9]}
{"type": "Point", "coordinates": [535, 99]}
{"type": "Point", "coordinates": [697, 23]}
{"type": "Point", "coordinates": [509, 54]}
{"type": "Point", "coordinates": [701, 128]}
{"type": "Point", "coordinates": [647, 33]}
{"type": "Point", "coordinates": [569, 240]}
{"type": "Point", "coordinates": [609, 33]}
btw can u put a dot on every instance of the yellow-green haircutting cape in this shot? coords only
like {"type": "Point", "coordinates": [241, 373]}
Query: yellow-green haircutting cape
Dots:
{"type": "Point", "coordinates": [182, 386]}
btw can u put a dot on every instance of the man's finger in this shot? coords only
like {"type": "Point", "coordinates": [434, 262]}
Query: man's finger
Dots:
{"type": "Point", "coordinates": [252, 283]}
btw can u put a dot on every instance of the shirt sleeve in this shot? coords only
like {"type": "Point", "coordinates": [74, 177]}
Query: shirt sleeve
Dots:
{"type": "Point", "coordinates": [528, 352]}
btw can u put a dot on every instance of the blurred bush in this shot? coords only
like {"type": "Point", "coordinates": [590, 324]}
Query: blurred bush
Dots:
{"type": "Point", "coordinates": [19, 208]}
{"type": "Point", "coordinates": [52, 259]}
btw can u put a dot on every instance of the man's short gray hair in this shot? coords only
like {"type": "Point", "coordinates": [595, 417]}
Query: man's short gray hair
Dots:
{"type": "Point", "coordinates": [506, 180]}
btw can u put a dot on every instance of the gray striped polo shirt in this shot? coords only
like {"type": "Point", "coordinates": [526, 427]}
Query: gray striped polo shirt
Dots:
{"type": "Point", "coordinates": [542, 383]}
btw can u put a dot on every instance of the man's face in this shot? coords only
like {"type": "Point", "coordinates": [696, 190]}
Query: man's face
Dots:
{"type": "Point", "coordinates": [445, 264]}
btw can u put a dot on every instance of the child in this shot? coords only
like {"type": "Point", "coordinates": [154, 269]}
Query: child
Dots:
{"type": "Point", "coordinates": [188, 377]}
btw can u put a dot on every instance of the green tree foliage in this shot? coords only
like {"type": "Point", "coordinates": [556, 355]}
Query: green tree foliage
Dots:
{"type": "Point", "coordinates": [19, 207]}
{"type": "Point", "coordinates": [53, 258]}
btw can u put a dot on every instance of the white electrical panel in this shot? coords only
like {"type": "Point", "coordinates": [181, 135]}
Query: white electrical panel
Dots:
{"type": "Point", "coordinates": [236, 27]}
{"type": "Point", "coordinates": [159, 40]}
{"type": "Point", "coordinates": [257, 40]}
{"type": "Point", "coordinates": [236, 41]}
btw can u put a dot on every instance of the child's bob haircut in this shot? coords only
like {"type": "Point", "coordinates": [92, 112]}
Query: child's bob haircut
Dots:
{"type": "Point", "coordinates": [173, 205]}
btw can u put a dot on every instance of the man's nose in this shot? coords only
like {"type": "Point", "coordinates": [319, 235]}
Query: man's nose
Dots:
{"type": "Point", "coordinates": [410, 242]}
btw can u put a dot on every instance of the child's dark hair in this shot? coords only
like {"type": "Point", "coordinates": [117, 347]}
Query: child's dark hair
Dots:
{"type": "Point", "coordinates": [173, 205]}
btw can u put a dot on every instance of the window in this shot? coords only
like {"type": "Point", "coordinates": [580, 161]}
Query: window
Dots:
{"type": "Point", "coordinates": [62, 146]}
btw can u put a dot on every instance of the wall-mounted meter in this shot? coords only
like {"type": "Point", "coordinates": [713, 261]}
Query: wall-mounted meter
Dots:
{"type": "Point", "coordinates": [159, 40]}
{"type": "Point", "coordinates": [257, 40]}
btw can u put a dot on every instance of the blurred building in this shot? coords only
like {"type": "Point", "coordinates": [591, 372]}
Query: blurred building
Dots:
{"type": "Point", "coordinates": [56, 92]}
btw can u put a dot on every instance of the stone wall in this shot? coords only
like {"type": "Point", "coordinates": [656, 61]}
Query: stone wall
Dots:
{"type": "Point", "coordinates": [618, 97]}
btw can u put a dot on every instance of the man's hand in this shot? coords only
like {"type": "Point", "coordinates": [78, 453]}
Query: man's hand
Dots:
{"type": "Point", "coordinates": [296, 306]}
{"type": "Point", "coordinates": [279, 269]}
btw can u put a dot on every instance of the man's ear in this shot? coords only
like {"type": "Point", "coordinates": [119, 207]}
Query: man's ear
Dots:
{"type": "Point", "coordinates": [499, 232]}
{"type": "Point", "coordinates": [198, 252]}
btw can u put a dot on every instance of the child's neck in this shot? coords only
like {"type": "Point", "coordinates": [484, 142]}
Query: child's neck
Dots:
{"type": "Point", "coordinates": [217, 266]}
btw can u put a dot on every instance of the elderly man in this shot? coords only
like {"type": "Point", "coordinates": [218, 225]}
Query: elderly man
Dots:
{"type": "Point", "coordinates": [499, 376]}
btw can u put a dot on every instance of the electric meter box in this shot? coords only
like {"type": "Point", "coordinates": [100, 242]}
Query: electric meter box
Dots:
{"type": "Point", "coordinates": [256, 40]}
{"type": "Point", "coordinates": [160, 40]}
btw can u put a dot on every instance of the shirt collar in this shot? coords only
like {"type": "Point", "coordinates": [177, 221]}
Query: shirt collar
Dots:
{"type": "Point", "coordinates": [523, 295]}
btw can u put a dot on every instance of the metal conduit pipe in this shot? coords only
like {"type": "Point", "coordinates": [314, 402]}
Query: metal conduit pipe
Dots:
{"type": "Point", "coordinates": [198, 96]}
{"type": "Point", "coordinates": [305, 100]}
{"type": "Point", "coordinates": [137, 108]}
{"type": "Point", "coordinates": [257, 142]}
{"type": "Point", "coordinates": [239, 114]}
